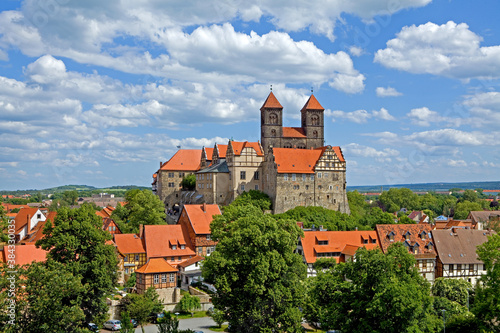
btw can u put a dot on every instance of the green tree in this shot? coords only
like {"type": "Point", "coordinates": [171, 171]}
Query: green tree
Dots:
{"type": "Point", "coordinates": [470, 195]}
{"type": "Point", "coordinates": [76, 239]}
{"type": "Point", "coordinates": [457, 290]}
{"type": "Point", "coordinates": [170, 324]}
{"type": "Point", "coordinates": [142, 207]}
{"type": "Point", "coordinates": [218, 316]}
{"type": "Point", "coordinates": [189, 182]}
{"type": "Point", "coordinates": [375, 293]}
{"type": "Point", "coordinates": [189, 303]}
{"type": "Point", "coordinates": [319, 216]}
{"type": "Point", "coordinates": [357, 204]}
{"type": "Point", "coordinates": [70, 197]}
{"type": "Point", "coordinates": [377, 216]}
{"type": "Point", "coordinates": [487, 302]}
{"type": "Point", "coordinates": [463, 209]}
{"type": "Point", "coordinates": [397, 198]}
{"type": "Point", "coordinates": [127, 326]}
{"type": "Point", "coordinates": [255, 198]}
{"type": "Point", "coordinates": [4, 223]}
{"type": "Point", "coordinates": [140, 306]}
{"type": "Point", "coordinates": [256, 272]}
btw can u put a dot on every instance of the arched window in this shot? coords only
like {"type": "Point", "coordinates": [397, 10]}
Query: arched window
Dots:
{"type": "Point", "coordinates": [314, 120]}
{"type": "Point", "coordinates": [315, 134]}
{"type": "Point", "coordinates": [273, 133]}
{"type": "Point", "coordinates": [301, 146]}
{"type": "Point", "coordinates": [287, 145]}
{"type": "Point", "coordinates": [273, 118]}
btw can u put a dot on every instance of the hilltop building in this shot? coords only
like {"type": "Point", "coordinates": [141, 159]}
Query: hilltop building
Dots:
{"type": "Point", "coordinates": [290, 164]}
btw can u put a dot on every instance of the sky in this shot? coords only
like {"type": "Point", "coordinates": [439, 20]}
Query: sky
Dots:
{"type": "Point", "coordinates": [100, 92]}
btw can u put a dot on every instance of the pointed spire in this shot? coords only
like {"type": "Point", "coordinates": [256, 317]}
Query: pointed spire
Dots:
{"type": "Point", "coordinates": [271, 102]}
{"type": "Point", "coordinates": [312, 104]}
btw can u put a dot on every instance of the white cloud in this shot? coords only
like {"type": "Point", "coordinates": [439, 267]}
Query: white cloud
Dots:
{"type": "Point", "coordinates": [423, 116]}
{"type": "Point", "coordinates": [484, 109]}
{"type": "Point", "coordinates": [46, 69]}
{"type": "Point", "coordinates": [456, 163]}
{"type": "Point", "coordinates": [450, 50]}
{"type": "Point", "coordinates": [383, 114]}
{"type": "Point", "coordinates": [357, 150]}
{"type": "Point", "coordinates": [387, 92]}
{"type": "Point", "coordinates": [356, 51]}
{"type": "Point", "coordinates": [360, 116]}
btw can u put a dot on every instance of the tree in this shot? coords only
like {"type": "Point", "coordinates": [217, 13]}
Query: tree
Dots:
{"type": "Point", "coordinates": [456, 290]}
{"type": "Point", "coordinates": [470, 195]}
{"type": "Point", "coordinates": [255, 198]}
{"type": "Point", "coordinates": [463, 209]}
{"type": "Point", "coordinates": [142, 207]}
{"type": "Point", "coordinates": [140, 306]}
{"type": "Point", "coordinates": [375, 293]}
{"type": "Point", "coordinates": [487, 302]}
{"type": "Point", "coordinates": [70, 197]}
{"type": "Point", "coordinates": [170, 324]}
{"type": "Point", "coordinates": [189, 182]}
{"type": "Point", "coordinates": [397, 198]}
{"type": "Point", "coordinates": [127, 326]}
{"type": "Point", "coordinates": [329, 219]}
{"type": "Point", "coordinates": [189, 303]}
{"type": "Point", "coordinates": [256, 272]}
{"type": "Point", "coordinates": [218, 316]}
{"type": "Point", "coordinates": [4, 223]}
{"type": "Point", "coordinates": [76, 240]}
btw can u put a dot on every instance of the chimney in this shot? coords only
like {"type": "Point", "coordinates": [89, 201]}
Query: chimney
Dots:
{"type": "Point", "coordinates": [204, 207]}
{"type": "Point", "coordinates": [28, 222]}
{"type": "Point", "coordinates": [141, 230]}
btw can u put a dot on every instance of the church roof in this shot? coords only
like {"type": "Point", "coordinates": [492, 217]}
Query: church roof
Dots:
{"type": "Point", "coordinates": [184, 160]}
{"type": "Point", "coordinates": [239, 146]}
{"type": "Point", "coordinates": [312, 104]}
{"type": "Point", "coordinates": [271, 102]}
{"type": "Point", "coordinates": [294, 132]}
{"type": "Point", "coordinates": [293, 160]}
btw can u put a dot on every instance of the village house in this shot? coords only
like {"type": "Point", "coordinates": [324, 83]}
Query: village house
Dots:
{"type": "Point", "coordinates": [481, 219]}
{"type": "Point", "coordinates": [132, 251]}
{"type": "Point", "coordinates": [457, 257]}
{"type": "Point", "coordinates": [26, 221]}
{"type": "Point", "coordinates": [159, 274]}
{"type": "Point", "coordinates": [417, 238]}
{"type": "Point", "coordinates": [338, 245]}
{"type": "Point", "coordinates": [190, 271]}
{"type": "Point", "coordinates": [24, 254]}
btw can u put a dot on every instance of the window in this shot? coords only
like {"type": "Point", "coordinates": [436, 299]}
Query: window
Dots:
{"type": "Point", "coordinates": [172, 277]}
{"type": "Point", "coordinates": [156, 279]}
{"type": "Point", "coordinates": [330, 187]}
{"type": "Point", "coordinates": [325, 175]}
{"type": "Point", "coordinates": [319, 174]}
{"type": "Point", "coordinates": [304, 177]}
{"type": "Point", "coordinates": [202, 185]}
{"type": "Point", "coordinates": [181, 174]}
{"type": "Point", "coordinates": [180, 258]}
{"type": "Point", "coordinates": [296, 187]}
{"type": "Point", "coordinates": [172, 259]}
{"type": "Point", "coordinates": [171, 184]}
{"type": "Point", "coordinates": [471, 268]}
{"type": "Point", "coordinates": [459, 267]}
{"type": "Point", "coordinates": [450, 268]}
{"type": "Point", "coordinates": [126, 270]}
{"type": "Point", "coordinates": [183, 247]}
{"type": "Point", "coordinates": [174, 247]}
{"type": "Point", "coordinates": [164, 278]}
{"type": "Point", "coordinates": [273, 118]}
{"type": "Point", "coordinates": [136, 257]}
{"type": "Point", "coordinates": [320, 187]}
{"type": "Point", "coordinates": [209, 237]}
{"type": "Point", "coordinates": [242, 187]}
{"type": "Point", "coordinates": [273, 133]}
{"type": "Point", "coordinates": [256, 187]}
{"type": "Point", "coordinates": [307, 187]}
{"type": "Point", "coordinates": [294, 177]}
{"type": "Point", "coordinates": [170, 175]}
{"type": "Point", "coordinates": [285, 176]}
{"type": "Point", "coordinates": [243, 175]}
{"type": "Point", "coordinates": [201, 177]}
{"type": "Point", "coordinates": [312, 177]}
{"type": "Point", "coordinates": [314, 120]}
{"type": "Point", "coordinates": [256, 175]}
{"type": "Point", "coordinates": [315, 134]}
{"type": "Point", "coordinates": [208, 251]}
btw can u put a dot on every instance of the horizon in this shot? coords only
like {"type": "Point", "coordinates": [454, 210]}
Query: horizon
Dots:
{"type": "Point", "coordinates": [101, 95]}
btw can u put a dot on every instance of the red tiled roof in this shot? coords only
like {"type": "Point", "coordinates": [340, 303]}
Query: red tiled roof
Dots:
{"type": "Point", "coordinates": [25, 254]}
{"type": "Point", "coordinates": [271, 102]}
{"type": "Point", "coordinates": [184, 160]}
{"type": "Point", "coordinates": [9, 207]}
{"type": "Point", "coordinates": [312, 104]}
{"type": "Point", "coordinates": [414, 231]}
{"type": "Point", "coordinates": [239, 146]}
{"type": "Point", "coordinates": [128, 243]}
{"type": "Point", "coordinates": [22, 217]}
{"type": "Point", "coordinates": [156, 265]}
{"type": "Point", "coordinates": [158, 237]}
{"type": "Point", "coordinates": [209, 152]}
{"type": "Point", "coordinates": [191, 261]}
{"type": "Point", "coordinates": [222, 150]}
{"type": "Point", "coordinates": [291, 160]}
{"type": "Point", "coordinates": [294, 132]}
{"type": "Point", "coordinates": [459, 245]}
{"type": "Point", "coordinates": [338, 152]}
{"type": "Point", "coordinates": [200, 219]}
{"type": "Point", "coordinates": [345, 242]}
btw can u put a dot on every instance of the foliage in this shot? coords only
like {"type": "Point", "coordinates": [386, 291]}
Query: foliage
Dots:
{"type": "Point", "coordinates": [487, 302]}
{"type": "Point", "coordinates": [4, 223]}
{"type": "Point", "coordinates": [143, 207]}
{"type": "Point", "coordinates": [140, 306]}
{"type": "Point", "coordinates": [189, 303]}
{"type": "Point", "coordinates": [70, 197]}
{"type": "Point", "coordinates": [397, 198]}
{"type": "Point", "coordinates": [456, 290]}
{"type": "Point", "coordinates": [256, 273]}
{"type": "Point", "coordinates": [76, 240]}
{"type": "Point", "coordinates": [131, 281]}
{"type": "Point", "coordinates": [357, 205]}
{"type": "Point", "coordinates": [324, 263]}
{"type": "Point", "coordinates": [218, 316]}
{"type": "Point", "coordinates": [376, 293]}
{"type": "Point", "coordinates": [169, 324]}
{"type": "Point", "coordinates": [127, 326]}
{"type": "Point", "coordinates": [463, 208]}
{"type": "Point", "coordinates": [189, 182]}
{"type": "Point", "coordinates": [255, 198]}
{"type": "Point", "coordinates": [377, 216]}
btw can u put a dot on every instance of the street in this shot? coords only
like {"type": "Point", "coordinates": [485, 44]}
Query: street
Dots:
{"type": "Point", "coordinates": [196, 324]}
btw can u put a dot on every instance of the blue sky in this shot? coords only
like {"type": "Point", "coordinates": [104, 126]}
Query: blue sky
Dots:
{"type": "Point", "coordinates": [99, 93]}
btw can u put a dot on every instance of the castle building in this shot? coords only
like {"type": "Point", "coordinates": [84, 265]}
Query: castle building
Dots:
{"type": "Point", "coordinates": [290, 164]}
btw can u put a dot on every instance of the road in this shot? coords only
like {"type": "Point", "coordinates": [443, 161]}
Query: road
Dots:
{"type": "Point", "coordinates": [196, 324]}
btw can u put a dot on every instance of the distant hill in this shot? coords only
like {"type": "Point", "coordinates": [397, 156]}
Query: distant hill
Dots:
{"type": "Point", "coordinates": [427, 187]}
{"type": "Point", "coordinates": [82, 189]}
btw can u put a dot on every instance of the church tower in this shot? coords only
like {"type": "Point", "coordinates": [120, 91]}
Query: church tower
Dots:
{"type": "Point", "coordinates": [313, 123]}
{"type": "Point", "coordinates": [271, 123]}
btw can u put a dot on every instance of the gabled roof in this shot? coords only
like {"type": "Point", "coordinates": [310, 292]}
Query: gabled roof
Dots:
{"type": "Point", "coordinates": [414, 233]}
{"type": "Point", "coordinates": [23, 216]}
{"type": "Point", "coordinates": [345, 242]}
{"type": "Point", "coordinates": [184, 160]}
{"type": "Point", "coordinates": [222, 149]}
{"type": "Point", "coordinates": [200, 217]}
{"type": "Point", "coordinates": [292, 160]}
{"type": "Point", "coordinates": [312, 104]}
{"type": "Point", "coordinates": [156, 265]}
{"type": "Point", "coordinates": [294, 132]}
{"type": "Point", "coordinates": [8, 207]}
{"type": "Point", "coordinates": [109, 222]}
{"type": "Point", "coordinates": [128, 243]}
{"type": "Point", "coordinates": [25, 254]}
{"type": "Point", "coordinates": [216, 168]}
{"type": "Point", "coordinates": [158, 237]}
{"type": "Point", "coordinates": [239, 146]}
{"type": "Point", "coordinates": [271, 102]}
{"type": "Point", "coordinates": [459, 246]}
{"type": "Point", "coordinates": [482, 216]}
{"type": "Point", "coordinates": [191, 261]}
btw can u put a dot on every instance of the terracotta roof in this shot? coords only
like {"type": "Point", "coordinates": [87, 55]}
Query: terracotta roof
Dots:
{"type": "Point", "coordinates": [345, 242]}
{"type": "Point", "coordinates": [156, 265]}
{"type": "Point", "coordinates": [291, 160]}
{"type": "Point", "coordinates": [417, 234]}
{"type": "Point", "coordinates": [415, 213]}
{"type": "Point", "coordinates": [51, 216]}
{"type": "Point", "coordinates": [294, 132]}
{"type": "Point", "coordinates": [184, 160]}
{"type": "Point", "coordinates": [158, 237]}
{"type": "Point", "coordinates": [339, 154]}
{"type": "Point", "coordinates": [271, 102]}
{"type": "Point", "coordinates": [107, 222]}
{"type": "Point", "coordinates": [458, 223]}
{"type": "Point", "coordinates": [482, 216]}
{"type": "Point", "coordinates": [128, 243]}
{"type": "Point", "coordinates": [201, 216]}
{"type": "Point", "coordinates": [9, 207]}
{"type": "Point", "coordinates": [312, 104]}
{"type": "Point", "coordinates": [239, 146]}
{"type": "Point", "coordinates": [25, 254]}
{"type": "Point", "coordinates": [209, 152]}
{"type": "Point", "coordinates": [22, 217]}
{"type": "Point", "coordinates": [459, 246]}
{"type": "Point", "coordinates": [191, 261]}
{"type": "Point", "coordinates": [222, 150]}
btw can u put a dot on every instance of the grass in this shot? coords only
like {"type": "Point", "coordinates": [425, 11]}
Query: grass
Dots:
{"type": "Point", "coordinates": [197, 314]}
{"type": "Point", "coordinates": [184, 292]}
{"type": "Point", "coordinates": [217, 329]}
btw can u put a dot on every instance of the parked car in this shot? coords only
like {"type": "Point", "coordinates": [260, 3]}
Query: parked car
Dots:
{"type": "Point", "coordinates": [93, 327]}
{"type": "Point", "coordinates": [155, 316]}
{"type": "Point", "coordinates": [113, 325]}
{"type": "Point", "coordinates": [134, 322]}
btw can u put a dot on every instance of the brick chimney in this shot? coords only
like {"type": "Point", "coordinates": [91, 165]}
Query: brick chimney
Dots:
{"type": "Point", "coordinates": [141, 230]}
{"type": "Point", "coordinates": [204, 207]}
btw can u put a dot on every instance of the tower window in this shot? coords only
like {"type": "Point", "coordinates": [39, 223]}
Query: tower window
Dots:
{"type": "Point", "coordinates": [314, 120]}
{"type": "Point", "coordinates": [273, 133]}
{"type": "Point", "coordinates": [315, 134]}
{"type": "Point", "coordinates": [273, 118]}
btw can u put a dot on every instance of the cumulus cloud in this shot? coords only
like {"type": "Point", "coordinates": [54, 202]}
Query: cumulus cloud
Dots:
{"type": "Point", "coordinates": [357, 150]}
{"type": "Point", "coordinates": [450, 50]}
{"type": "Point", "coordinates": [360, 116]}
{"type": "Point", "coordinates": [387, 92]}
{"type": "Point", "coordinates": [484, 109]}
{"type": "Point", "coordinates": [423, 116]}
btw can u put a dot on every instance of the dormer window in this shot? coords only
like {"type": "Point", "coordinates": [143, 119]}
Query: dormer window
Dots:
{"type": "Point", "coordinates": [407, 235]}
{"type": "Point", "coordinates": [430, 246]}
{"type": "Point", "coordinates": [183, 247]}
{"type": "Point", "coordinates": [209, 237]}
{"type": "Point", "coordinates": [390, 235]}
{"type": "Point", "coordinates": [322, 242]}
{"type": "Point", "coordinates": [423, 235]}
{"type": "Point", "coordinates": [174, 247]}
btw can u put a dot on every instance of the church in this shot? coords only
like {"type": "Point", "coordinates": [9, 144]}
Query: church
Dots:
{"type": "Point", "coordinates": [290, 164]}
